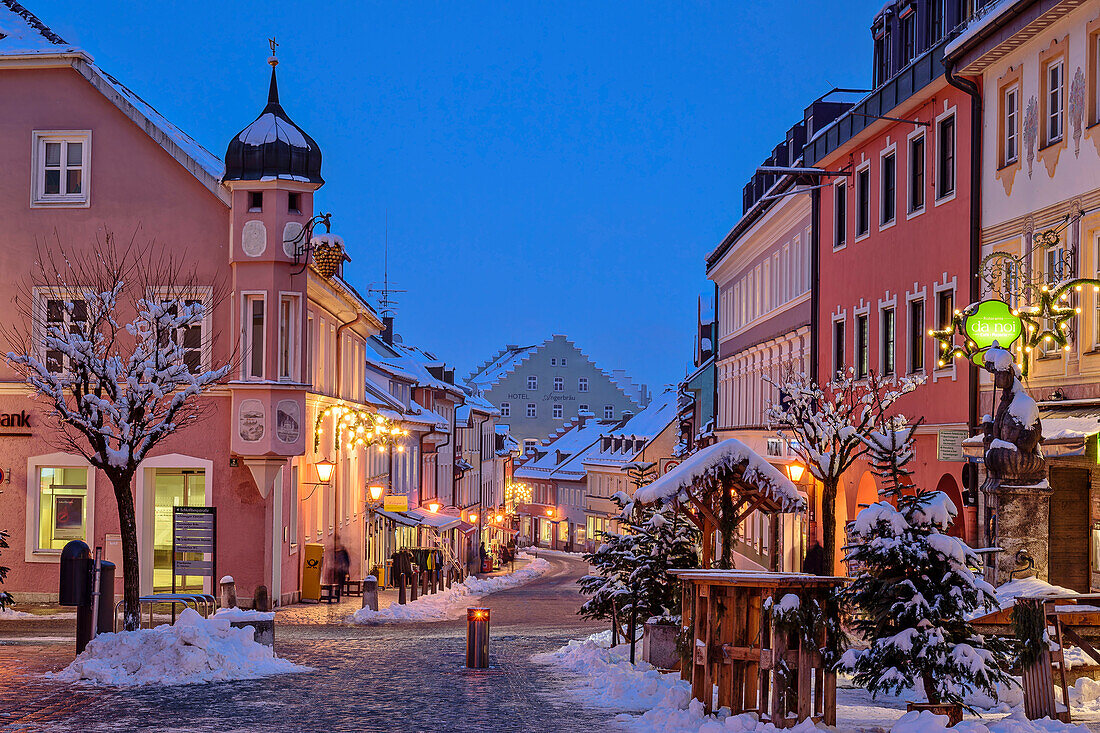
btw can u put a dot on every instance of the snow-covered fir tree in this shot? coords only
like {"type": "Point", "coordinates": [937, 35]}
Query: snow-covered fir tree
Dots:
{"type": "Point", "coordinates": [914, 587]}
{"type": "Point", "coordinates": [114, 371]}
{"type": "Point", "coordinates": [632, 565]}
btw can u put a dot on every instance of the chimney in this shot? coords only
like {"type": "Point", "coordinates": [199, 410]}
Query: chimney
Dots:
{"type": "Point", "coordinates": [387, 330]}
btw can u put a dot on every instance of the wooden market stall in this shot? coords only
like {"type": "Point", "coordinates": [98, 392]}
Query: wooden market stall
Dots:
{"type": "Point", "coordinates": [758, 663]}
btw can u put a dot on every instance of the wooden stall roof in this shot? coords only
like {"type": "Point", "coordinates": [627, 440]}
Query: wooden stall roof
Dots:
{"type": "Point", "coordinates": [729, 462]}
{"type": "Point", "coordinates": [757, 579]}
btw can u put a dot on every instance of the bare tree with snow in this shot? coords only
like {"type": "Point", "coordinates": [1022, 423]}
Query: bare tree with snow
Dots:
{"type": "Point", "coordinates": [106, 341]}
{"type": "Point", "coordinates": [832, 426]}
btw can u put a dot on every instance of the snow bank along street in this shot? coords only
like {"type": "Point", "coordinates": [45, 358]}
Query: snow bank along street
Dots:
{"type": "Point", "coordinates": [190, 651]}
{"type": "Point", "coordinates": [649, 701]}
{"type": "Point", "coordinates": [453, 602]}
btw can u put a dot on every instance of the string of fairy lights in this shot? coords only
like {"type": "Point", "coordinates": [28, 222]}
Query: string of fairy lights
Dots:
{"type": "Point", "coordinates": [354, 427]}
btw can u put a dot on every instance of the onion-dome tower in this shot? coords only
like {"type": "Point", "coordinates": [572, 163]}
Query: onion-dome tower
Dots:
{"type": "Point", "coordinates": [273, 147]}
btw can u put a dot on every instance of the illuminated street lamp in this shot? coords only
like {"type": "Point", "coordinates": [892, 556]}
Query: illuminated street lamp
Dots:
{"type": "Point", "coordinates": [324, 470]}
{"type": "Point", "coordinates": [473, 518]}
{"type": "Point", "coordinates": [795, 471]}
{"type": "Point", "coordinates": [433, 507]}
{"type": "Point", "coordinates": [375, 496]}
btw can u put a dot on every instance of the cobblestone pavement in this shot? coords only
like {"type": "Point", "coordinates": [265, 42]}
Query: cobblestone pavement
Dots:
{"type": "Point", "coordinates": [407, 677]}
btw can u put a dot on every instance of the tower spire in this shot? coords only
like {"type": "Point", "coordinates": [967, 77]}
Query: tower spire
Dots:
{"type": "Point", "coordinates": [273, 59]}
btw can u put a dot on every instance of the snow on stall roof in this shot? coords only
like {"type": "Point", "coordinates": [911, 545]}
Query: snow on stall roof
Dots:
{"type": "Point", "coordinates": [721, 457]}
{"type": "Point", "coordinates": [1032, 587]}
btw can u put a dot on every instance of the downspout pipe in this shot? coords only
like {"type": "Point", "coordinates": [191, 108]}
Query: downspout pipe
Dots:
{"type": "Point", "coordinates": [972, 89]}
{"type": "Point", "coordinates": [815, 283]}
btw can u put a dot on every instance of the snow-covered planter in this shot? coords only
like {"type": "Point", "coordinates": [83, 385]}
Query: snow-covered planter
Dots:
{"type": "Point", "coordinates": [262, 623]}
{"type": "Point", "coordinates": [659, 643]}
{"type": "Point", "coordinates": [192, 650]}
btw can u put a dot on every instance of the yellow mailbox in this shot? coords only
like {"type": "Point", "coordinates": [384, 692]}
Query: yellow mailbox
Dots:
{"type": "Point", "coordinates": [312, 558]}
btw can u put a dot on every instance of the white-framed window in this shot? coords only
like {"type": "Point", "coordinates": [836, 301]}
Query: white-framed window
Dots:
{"type": "Point", "coordinates": [916, 336]}
{"type": "Point", "coordinates": [608, 412]}
{"type": "Point", "coordinates": [196, 338]}
{"type": "Point", "coordinates": [888, 350]}
{"type": "Point", "coordinates": [255, 323]}
{"type": "Point", "coordinates": [582, 384]}
{"type": "Point", "coordinates": [532, 382]}
{"type": "Point", "coordinates": [838, 347]}
{"type": "Point", "coordinates": [564, 362]}
{"type": "Point", "coordinates": [61, 165]}
{"type": "Point", "coordinates": [532, 410]}
{"type": "Point", "coordinates": [1055, 107]}
{"type": "Point", "coordinates": [840, 214]}
{"type": "Point", "coordinates": [863, 201]}
{"type": "Point", "coordinates": [559, 384]}
{"type": "Point", "coordinates": [505, 409]}
{"type": "Point", "coordinates": [888, 171]}
{"type": "Point", "coordinates": [310, 348]}
{"type": "Point", "coordinates": [945, 157]}
{"type": "Point", "coordinates": [288, 336]}
{"type": "Point", "coordinates": [60, 504]}
{"type": "Point", "coordinates": [1096, 293]}
{"type": "Point", "coordinates": [553, 361]}
{"type": "Point", "coordinates": [582, 408]}
{"type": "Point", "coordinates": [945, 313]}
{"type": "Point", "coordinates": [558, 411]}
{"type": "Point", "coordinates": [60, 312]}
{"type": "Point", "coordinates": [1011, 122]}
{"type": "Point", "coordinates": [915, 175]}
{"type": "Point", "coordinates": [863, 345]}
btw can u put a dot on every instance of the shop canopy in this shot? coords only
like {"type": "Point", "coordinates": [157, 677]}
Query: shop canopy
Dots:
{"type": "Point", "coordinates": [438, 522]}
{"type": "Point", "coordinates": [398, 517]}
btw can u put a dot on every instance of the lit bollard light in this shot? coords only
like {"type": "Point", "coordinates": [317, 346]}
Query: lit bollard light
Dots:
{"type": "Point", "coordinates": [477, 638]}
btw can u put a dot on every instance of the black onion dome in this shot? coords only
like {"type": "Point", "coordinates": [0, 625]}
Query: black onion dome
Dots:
{"type": "Point", "coordinates": [273, 147]}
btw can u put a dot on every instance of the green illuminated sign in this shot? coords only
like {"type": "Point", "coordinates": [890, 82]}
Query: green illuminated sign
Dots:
{"type": "Point", "coordinates": [992, 321]}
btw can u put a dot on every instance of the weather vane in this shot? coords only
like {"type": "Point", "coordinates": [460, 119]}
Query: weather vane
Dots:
{"type": "Point", "coordinates": [274, 60]}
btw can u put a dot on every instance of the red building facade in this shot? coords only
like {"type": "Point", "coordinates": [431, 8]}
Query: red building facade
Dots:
{"type": "Point", "coordinates": [895, 252]}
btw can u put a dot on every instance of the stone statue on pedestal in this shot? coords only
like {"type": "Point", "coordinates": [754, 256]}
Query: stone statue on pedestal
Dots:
{"type": "Point", "coordinates": [1016, 486]}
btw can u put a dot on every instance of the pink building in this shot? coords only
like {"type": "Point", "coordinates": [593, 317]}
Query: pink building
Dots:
{"type": "Point", "coordinates": [84, 155]}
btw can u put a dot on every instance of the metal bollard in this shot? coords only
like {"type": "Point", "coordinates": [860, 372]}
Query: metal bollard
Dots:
{"type": "Point", "coordinates": [477, 638]}
{"type": "Point", "coordinates": [370, 592]}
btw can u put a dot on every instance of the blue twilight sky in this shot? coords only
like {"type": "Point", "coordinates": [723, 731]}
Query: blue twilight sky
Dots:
{"type": "Point", "coordinates": [546, 167]}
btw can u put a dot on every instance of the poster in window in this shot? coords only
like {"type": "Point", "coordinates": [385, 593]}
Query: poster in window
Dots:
{"type": "Point", "coordinates": [68, 517]}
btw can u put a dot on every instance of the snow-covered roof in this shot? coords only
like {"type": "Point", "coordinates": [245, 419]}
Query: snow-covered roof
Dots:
{"type": "Point", "coordinates": [646, 425]}
{"type": "Point", "coordinates": [568, 448]}
{"type": "Point", "coordinates": [983, 18]}
{"type": "Point", "coordinates": [500, 366]}
{"type": "Point", "coordinates": [408, 362]}
{"type": "Point", "coordinates": [23, 34]}
{"type": "Point", "coordinates": [711, 463]}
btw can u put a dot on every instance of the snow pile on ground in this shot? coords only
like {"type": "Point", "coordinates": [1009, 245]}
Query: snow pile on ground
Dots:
{"type": "Point", "coordinates": [10, 614]}
{"type": "Point", "coordinates": [453, 602]}
{"type": "Point", "coordinates": [653, 702]}
{"type": "Point", "coordinates": [926, 722]}
{"type": "Point", "coordinates": [193, 650]}
{"type": "Point", "coordinates": [243, 614]}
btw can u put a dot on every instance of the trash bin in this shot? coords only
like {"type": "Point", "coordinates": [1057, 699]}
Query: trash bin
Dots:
{"type": "Point", "coordinates": [76, 575]}
{"type": "Point", "coordinates": [106, 622]}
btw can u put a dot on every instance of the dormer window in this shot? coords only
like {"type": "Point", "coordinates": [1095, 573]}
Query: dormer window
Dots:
{"type": "Point", "coordinates": [255, 201]}
{"type": "Point", "coordinates": [294, 203]}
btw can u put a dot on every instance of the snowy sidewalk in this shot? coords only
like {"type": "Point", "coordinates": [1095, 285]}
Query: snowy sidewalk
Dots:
{"type": "Point", "coordinates": [653, 702]}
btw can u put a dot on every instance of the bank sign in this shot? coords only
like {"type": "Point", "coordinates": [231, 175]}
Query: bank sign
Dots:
{"type": "Point", "coordinates": [992, 321]}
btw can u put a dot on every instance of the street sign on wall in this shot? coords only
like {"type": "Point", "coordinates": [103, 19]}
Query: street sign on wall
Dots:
{"type": "Point", "coordinates": [949, 444]}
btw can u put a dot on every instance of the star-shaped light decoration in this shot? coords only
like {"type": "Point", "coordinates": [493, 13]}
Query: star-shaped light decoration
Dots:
{"type": "Point", "coordinates": [946, 338]}
{"type": "Point", "coordinates": [1049, 321]}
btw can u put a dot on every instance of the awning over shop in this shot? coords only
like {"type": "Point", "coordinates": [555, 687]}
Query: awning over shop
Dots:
{"type": "Point", "coordinates": [399, 518]}
{"type": "Point", "coordinates": [439, 522]}
{"type": "Point", "coordinates": [1066, 431]}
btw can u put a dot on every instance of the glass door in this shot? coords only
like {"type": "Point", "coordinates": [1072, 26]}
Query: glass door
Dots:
{"type": "Point", "coordinates": [174, 487]}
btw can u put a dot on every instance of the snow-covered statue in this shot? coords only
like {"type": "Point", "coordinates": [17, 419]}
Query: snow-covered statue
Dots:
{"type": "Point", "coordinates": [1012, 437]}
{"type": "Point", "coordinates": [1016, 487]}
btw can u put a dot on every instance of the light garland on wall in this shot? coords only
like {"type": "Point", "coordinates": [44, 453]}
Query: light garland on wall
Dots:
{"type": "Point", "coordinates": [354, 427]}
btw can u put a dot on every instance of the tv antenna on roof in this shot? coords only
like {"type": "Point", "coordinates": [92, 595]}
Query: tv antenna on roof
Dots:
{"type": "Point", "coordinates": [386, 301]}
